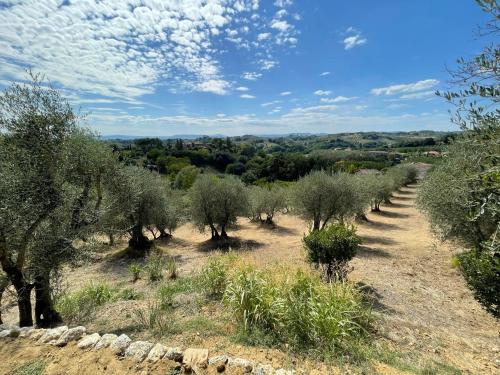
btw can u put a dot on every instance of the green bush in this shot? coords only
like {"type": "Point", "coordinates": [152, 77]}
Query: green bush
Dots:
{"type": "Point", "coordinates": [331, 249]}
{"type": "Point", "coordinates": [135, 270]}
{"type": "Point", "coordinates": [81, 305]}
{"type": "Point", "coordinates": [154, 267]}
{"type": "Point", "coordinates": [298, 310]}
{"type": "Point", "coordinates": [213, 278]}
{"type": "Point", "coordinates": [481, 269]}
{"type": "Point", "coordinates": [165, 296]}
{"type": "Point", "coordinates": [129, 294]}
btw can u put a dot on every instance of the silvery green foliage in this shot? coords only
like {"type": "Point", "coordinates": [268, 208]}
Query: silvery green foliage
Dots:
{"type": "Point", "coordinates": [216, 202]}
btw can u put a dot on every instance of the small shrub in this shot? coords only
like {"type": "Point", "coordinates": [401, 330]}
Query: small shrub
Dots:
{"type": "Point", "coordinates": [135, 270]}
{"type": "Point", "coordinates": [172, 268]}
{"type": "Point", "coordinates": [165, 295]}
{"type": "Point", "coordinates": [129, 294]}
{"type": "Point", "coordinates": [481, 270]}
{"type": "Point", "coordinates": [213, 278]}
{"type": "Point", "coordinates": [154, 267]}
{"type": "Point", "coordinates": [81, 305]}
{"type": "Point", "coordinates": [331, 249]}
{"type": "Point", "coordinates": [155, 319]}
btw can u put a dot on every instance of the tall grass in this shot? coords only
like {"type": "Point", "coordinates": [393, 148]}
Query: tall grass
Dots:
{"type": "Point", "coordinates": [213, 278]}
{"type": "Point", "coordinates": [298, 309]}
{"type": "Point", "coordinates": [81, 305]}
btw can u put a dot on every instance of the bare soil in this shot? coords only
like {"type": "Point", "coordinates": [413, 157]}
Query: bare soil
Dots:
{"type": "Point", "coordinates": [423, 303]}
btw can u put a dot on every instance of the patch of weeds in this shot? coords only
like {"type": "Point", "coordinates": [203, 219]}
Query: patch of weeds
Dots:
{"type": "Point", "coordinates": [213, 278]}
{"type": "Point", "coordinates": [255, 337]}
{"type": "Point", "coordinates": [129, 294]}
{"type": "Point", "coordinates": [203, 324]}
{"type": "Point", "coordinates": [154, 267]}
{"type": "Point", "coordinates": [156, 320]}
{"type": "Point", "coordinates": [165, 296]}
{"type": "Point", "coordinates": [135, 269]}
{"type": "Point", "coordinates": [36, 367]}
{"type": "Point", "coordinates": [172, 268]}
{"type": "Point", "coordinates": [411, 362]}
{"type": "Point", "coordinates": [81, 305]}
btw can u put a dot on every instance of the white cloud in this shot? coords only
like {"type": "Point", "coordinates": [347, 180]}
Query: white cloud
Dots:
{"type": "Point", "coordinates": [353, 41]}
{"type": "Point", "coordinates": [280, 25]}
{"type": "Point", "coordinates": [325, 74]}
{"type": "Point", "coordinates": [128, 48]}
{"type": "Point", "coordinates": [406, 88]}
{"type": "Point", "coordinates": [242, 88]}
{"type": "Point", "coordinates": [317, 108]}
{"type": "Point", "coordinates": [322, 92]}
{"type": "Point", "coordinates": [267, 104]}
{"type": "Point", "coordinates": [251, 76]}
{"type": "Point", "coordinates": [246, 96]}
{"type": "Point", "coordinates": [263, 36]}
{"type": "Point", "coordinates": [338, 99]}
{"type": "Point", "coordinates": [215, 86]}
{"type": "Point", "coordinates": [283, 3]}
{"type": "Point", "coordinates": [285, 93]}
{"type": "Point", "coordinates": [419, 95]}
{"type": "Point", "coordinates": [267, 64]}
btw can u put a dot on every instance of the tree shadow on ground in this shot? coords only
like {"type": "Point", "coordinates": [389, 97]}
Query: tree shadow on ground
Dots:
{"type": "Point", "coordinates": [400, 205]}
{"type": "Point", "coordinates": [370, 252]}
{"type": "Point", "coordinates": [382, 226]}
{"type": "Point", "coordinates": [391, 214]}
{"type": "Point", "coordinates": [232, 243]}
{"type": "Point", "coordinates": [283, 231]}
{"type": "Point", "coordinates": [404, 198]}
{"type": "Point", "coordinates": [373, 297]}
{"type": "Point", "coordinates": [405, 192]}
{"type": "Point", "coordinates": [378, 240]}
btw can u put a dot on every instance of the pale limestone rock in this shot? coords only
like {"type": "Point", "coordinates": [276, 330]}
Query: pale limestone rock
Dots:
{"type": "Point", "coordinates": [174, 354]}
{"type": "Point", "coordinates": [157, 352]}
{"type": "Point", "coordinates": [138, 350]}
{"type": "Point", "coordinates": [120, 344]}
{"type": "Point", "coordinates": [71, 334]}
{"type": "Point", "coordinates": [89, 341]}
{"type": "Point", "coordinates": [52, 334]}
{"type": "Point", "coordinates": [195, 358]}
{"type": "Point", "coordinates": [106, 340]}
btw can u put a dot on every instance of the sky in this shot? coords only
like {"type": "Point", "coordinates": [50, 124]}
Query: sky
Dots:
{"type": "Point", "coordinates": [234, 67]}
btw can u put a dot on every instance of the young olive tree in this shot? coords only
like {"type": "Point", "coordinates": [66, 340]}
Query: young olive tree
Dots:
{"type": "Point", "coordinates": [461, 195]}
{"type": "Point", "coordinates": [321, 198]}
{"type": "Point", "coordinates": [139, 200]}
{"type": "Point", "coordinates": [268, 201]}
{"type": "Point", "coordinates": [380, 187]}
{"type": "Point", "coordinates": [216, 202]}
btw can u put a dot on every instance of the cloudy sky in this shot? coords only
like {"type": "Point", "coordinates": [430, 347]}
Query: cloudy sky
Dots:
{"type": "Point", "coordinates": [165, 67]}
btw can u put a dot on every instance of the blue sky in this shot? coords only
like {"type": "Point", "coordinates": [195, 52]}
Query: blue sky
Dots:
{"type": "Point", "coordinates": [165, 67]}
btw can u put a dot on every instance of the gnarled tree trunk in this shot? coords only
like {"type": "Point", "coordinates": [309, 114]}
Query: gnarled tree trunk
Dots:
{"type": "Point", "coordinates": [45, 314]}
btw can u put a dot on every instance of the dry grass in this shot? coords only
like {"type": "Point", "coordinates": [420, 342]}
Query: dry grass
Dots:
{"type": "Point", "coordinates": [424, 304]}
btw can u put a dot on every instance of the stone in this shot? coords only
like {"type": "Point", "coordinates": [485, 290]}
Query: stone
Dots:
{"type": "Point", "coordinates": [220, 359]}
{"type": "Point", "coordinates": [195, 358]}
{"type": "Point", "coordinates": [120, 344]}
{"type": "Point", "coordinates": [52, 334]}
{"type": "Point", "coordinates": [5, 333]}
{"type": "Point", "coordinates": [89, 341]}
{"type": "Point", "coordinates": [263, 370]}
{"type": "Point", "coordinates": [71, 334]}
{"type": "Point", "coordinates": [282, 371]}
{"type": "Point", "coordinates": [14, 332]}
{"type": "Point", "coordinates": [138, 350]}
{"type": "Point", "coordinates": [25, 331]}
{"type": "Point", "coordinates": [157, 352]}
{"type": "Point", "coordinates": [174, 354]}
{"type": "Point", "coordinates": [36, 333]}
{"type": "Point", "coordinates": [241, 362]}
{"type": "Point", "coordinates": [221, 367]}
{"type": "Point", "coordinates": [106, 340]}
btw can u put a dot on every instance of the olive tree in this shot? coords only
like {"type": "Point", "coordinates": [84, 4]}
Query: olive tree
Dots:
{"type": "Point", "coordinates": [216, 202]}
{"type": "Point", "coordinates": [380, 189]}
{"type": "Point", "coordinates": [139, 200]}
{"type": "Point", "coordinates": [51, 188]}
{"type": "Point", "coordinates": [461, 195]}
{"type": "Point", "coordinates": [321, 198]}
{"type": "Point", "coordinates": [268, 201]}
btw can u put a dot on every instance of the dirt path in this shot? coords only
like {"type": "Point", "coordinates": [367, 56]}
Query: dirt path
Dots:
{"type": "Point", "coordinates": [424, 304]}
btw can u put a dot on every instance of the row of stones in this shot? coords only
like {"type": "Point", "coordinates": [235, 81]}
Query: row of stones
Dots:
{"type": "Point", "coordinates": [191, 359]}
